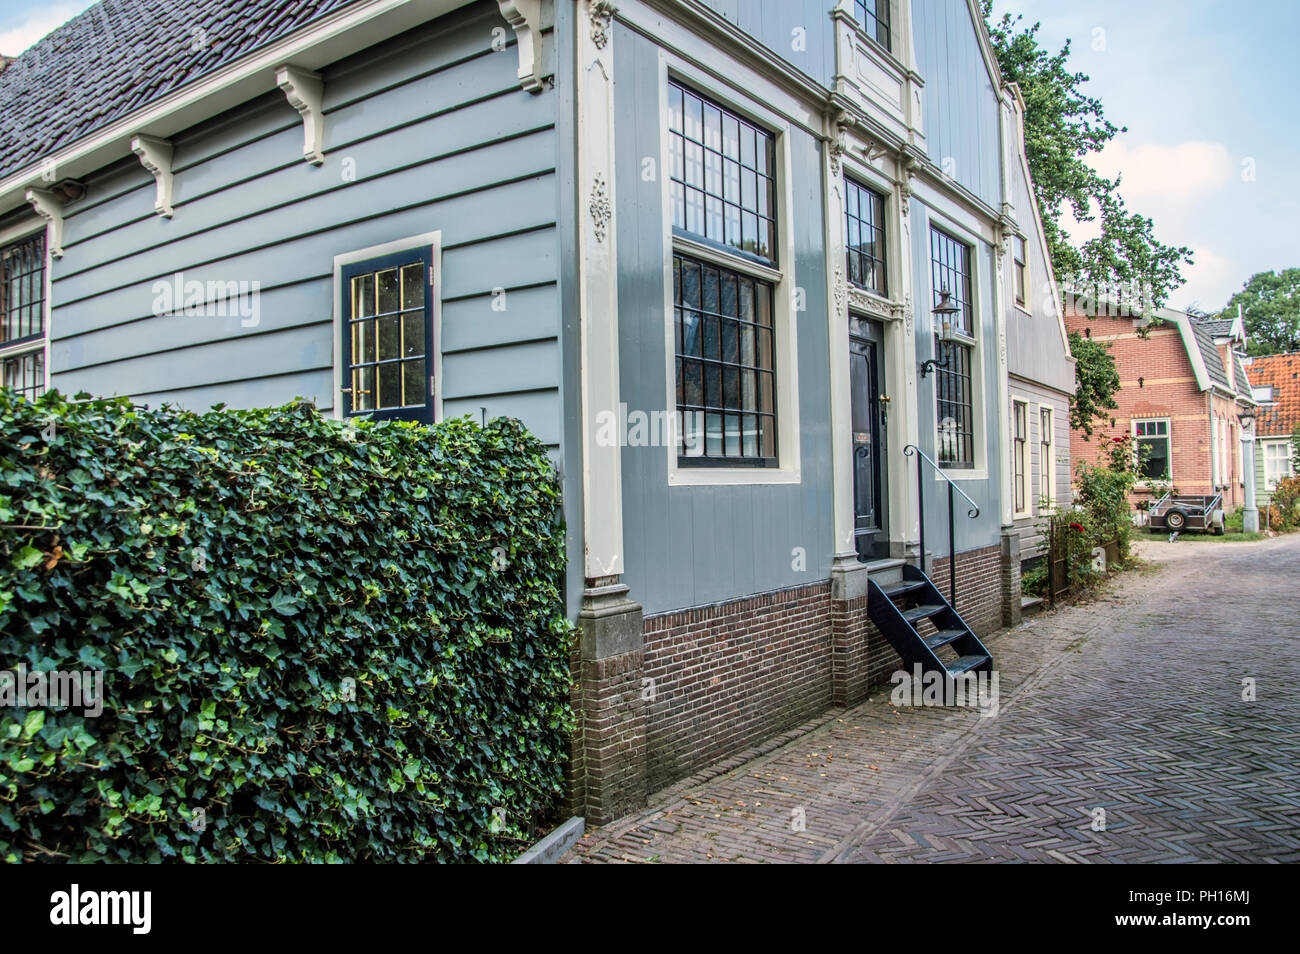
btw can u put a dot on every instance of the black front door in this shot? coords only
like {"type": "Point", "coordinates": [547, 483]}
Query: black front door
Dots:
{"type": "Point", "coordinates": [870, 506]}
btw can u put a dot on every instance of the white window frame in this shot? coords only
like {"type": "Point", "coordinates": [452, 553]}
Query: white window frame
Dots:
{"type": "Point", "coordinates": [781, 277]}
{"type": "Point", "coordinates": [979, 405]}
{"type": "Point", "coordinates": [1047, 456]}
{"type": "Point", "coordinates": [1169, 439]}
{"type": "Point", "coordinates": [424, 240]}
{"type": "Point", "coordinates": [20, 232]}
{"type": "Point", "coordinates": [1020, 454]}
{"type": "Point", "coordinates": [1025, 306]}
{"type": "Point", "coordinates": [1270, 484]}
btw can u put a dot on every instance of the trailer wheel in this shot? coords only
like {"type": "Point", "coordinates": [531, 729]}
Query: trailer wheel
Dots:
{"type": "Point", "coordinates": [1175, 520]}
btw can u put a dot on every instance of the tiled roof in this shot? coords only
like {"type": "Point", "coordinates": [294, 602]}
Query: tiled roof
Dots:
{"type": "Point", "coordinates": [1218, 327]}
{"type": "Point", "coordinates": [1281, 372]}
{"type": "Point", "coordinates": [1210, 352]}
{"type": "Point", "coordinates": [122, 54]}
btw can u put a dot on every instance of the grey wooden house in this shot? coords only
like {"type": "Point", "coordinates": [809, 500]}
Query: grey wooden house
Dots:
{"type": "Point", "coordinates": [740, 263]}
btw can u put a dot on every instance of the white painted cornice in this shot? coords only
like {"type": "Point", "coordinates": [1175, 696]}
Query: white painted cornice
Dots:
{"type": "Point", "coordinates": [156, 156]}
{"type": "Point", "coordinates": [304, 90]}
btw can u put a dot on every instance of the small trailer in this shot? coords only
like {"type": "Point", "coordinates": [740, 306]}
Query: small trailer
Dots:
{"type": "Point", "coordinates": [1174, 513]}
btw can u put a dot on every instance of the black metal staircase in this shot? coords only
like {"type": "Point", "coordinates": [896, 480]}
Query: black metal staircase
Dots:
{"type": "Point", "coordinates": [923, 627]}
{"type": "Point", "coordinates": [914, 617]}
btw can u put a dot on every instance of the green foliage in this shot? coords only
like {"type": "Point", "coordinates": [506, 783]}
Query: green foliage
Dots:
{"type": "Point", "coordinates": [1270, 307]}
{"type": "Point", "coordinates": [232, 572]}
{"type": "Point", "coordinates": [1096, 381]}
{"type": "Point", "coordinates": [1101, 494]}
{"type": "Point", "coordinates": [1283, 505]}
{"type": "Point", "coordinates": [1063, 127]}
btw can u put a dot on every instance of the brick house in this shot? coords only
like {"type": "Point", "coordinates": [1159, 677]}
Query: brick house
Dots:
{"type": "Point", "coordinates": [1276, 381]}
{"type": "Point", "coordinates": [1183, 387]}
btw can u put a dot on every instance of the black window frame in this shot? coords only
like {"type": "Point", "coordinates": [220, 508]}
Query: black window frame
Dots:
{"type": "Point", "coordinates": [764, 409]}
{"type": "Point", "coordinates": [857, 259]}
{"type": "Point", "coordinates": [765, 178]}
{"type": "Point", "coordinates": [874, 16]}
{"type": "Point", "coordinates": [23, 268]}
{"type": "Point", "coordinates": [29, 389]}
{"type": "Point", "coordinates": [424, 256]}
{"type": "Point", "coordinates": [951, 270]}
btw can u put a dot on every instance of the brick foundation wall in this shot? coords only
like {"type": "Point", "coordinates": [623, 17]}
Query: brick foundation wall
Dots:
{"type": "Point", "coordinates": [614, 736]}
{"type": "Point", "coordinates": [979, 587]}
{"type": "Point", "coordinates": [709, 682]}
{"type": "Point", "coordinates": [729, 675]}
{"type": "Point", "coordinates": [861, 656]}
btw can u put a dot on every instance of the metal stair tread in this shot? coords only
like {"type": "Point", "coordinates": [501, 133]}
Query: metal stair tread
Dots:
{"type": "Point", "coordinates": [902, 589]}
{"type": "Point", "coordinates": [924, 611]}
{"type": "Point", "coordinates": [965, 663]}
{"type": "Point", "coordinates": [944, 637]}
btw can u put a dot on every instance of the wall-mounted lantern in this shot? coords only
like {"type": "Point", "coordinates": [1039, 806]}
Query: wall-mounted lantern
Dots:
{"type": "Point", "coordinates": [947, 331]}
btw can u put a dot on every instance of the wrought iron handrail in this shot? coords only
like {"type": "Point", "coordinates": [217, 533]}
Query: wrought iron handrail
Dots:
{"type": "Point", "coordinates": [909, 451]}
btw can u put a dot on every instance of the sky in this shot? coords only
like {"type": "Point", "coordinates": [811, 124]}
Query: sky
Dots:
{"type": "Point", "coordinates": [1204, 87]}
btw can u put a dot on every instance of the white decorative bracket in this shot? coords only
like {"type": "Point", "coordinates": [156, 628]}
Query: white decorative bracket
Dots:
{"type": "Point", "coordinates": [525, 16]}
{"type": "Point", "coordinates": [156, 156]}
{"type": "Point", "coordinates": [49, 208]}
{"type": "Point", "coordinates": [304, 90]}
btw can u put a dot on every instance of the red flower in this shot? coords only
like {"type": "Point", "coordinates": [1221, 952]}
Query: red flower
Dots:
{"type": "Point", "coordinates": [1077, 526]}
{"type": "Point", "coordinates": [1119, 440]}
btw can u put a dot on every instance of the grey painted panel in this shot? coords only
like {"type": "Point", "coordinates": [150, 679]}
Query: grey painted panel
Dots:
{"type": "Point", "coordinates": [684, 545]}
{"type": "Point", "coordinates": [1035, 348]}
{"type": "Point", "coordinates": [539, 410]}
{"type": "Point", "coordinates": [526, 314]}
{"type": "Point", "coordinates": [523, 204]}
{"type": "Point", "coordinates": [798, 31]}
{"type": "Point", "coordinates": [510, 261]}
{"type": "Point", "coordinates": [960, 103]}
{"type": "Point", "coordinates": [521, 367]}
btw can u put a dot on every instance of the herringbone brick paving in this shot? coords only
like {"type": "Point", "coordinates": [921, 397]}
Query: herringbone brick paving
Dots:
{"type": "Point", "coordinates": [1131, 703]}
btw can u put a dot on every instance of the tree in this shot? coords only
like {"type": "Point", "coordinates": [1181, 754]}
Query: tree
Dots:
{"type": "Point", "coordinates": [1063, 127]}
{"type": "Point", "coordinates": [1096, 380]}
{"type": "Point", "coordinates": [1270, 304]}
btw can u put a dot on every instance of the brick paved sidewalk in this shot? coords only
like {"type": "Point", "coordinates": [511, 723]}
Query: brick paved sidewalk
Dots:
{"type": "Point", "coordinates": [1130, 703]}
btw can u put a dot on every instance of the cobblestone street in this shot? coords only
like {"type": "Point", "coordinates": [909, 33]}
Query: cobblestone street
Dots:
{"type": "Point", "coordinates": [1130, 703]}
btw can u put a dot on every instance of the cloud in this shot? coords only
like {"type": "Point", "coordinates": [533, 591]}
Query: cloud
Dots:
{"type": "Point", "coordinates": [1185, 171]}
{"type": "Point", "coordinates": [1211, 279]}
{"type": "Point", "coordinates": [36, 23]}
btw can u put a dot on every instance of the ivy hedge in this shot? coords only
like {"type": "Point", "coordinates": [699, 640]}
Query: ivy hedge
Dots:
{"type": "Point", "coordinates": [320, 641]}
